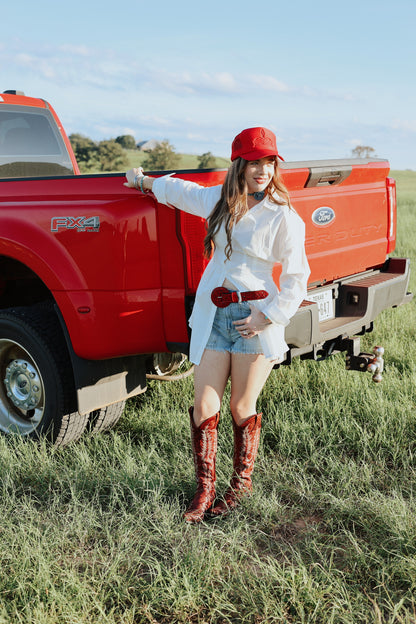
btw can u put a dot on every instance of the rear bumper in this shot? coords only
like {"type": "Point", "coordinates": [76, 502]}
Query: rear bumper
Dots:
{"type": "Point", "coordinates": [358, 301]}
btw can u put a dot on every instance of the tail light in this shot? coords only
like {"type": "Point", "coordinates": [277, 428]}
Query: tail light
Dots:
{"type": "Point", "coordinates": [392, 214]}
{"type": "Point", "coordinates": [191, 233]}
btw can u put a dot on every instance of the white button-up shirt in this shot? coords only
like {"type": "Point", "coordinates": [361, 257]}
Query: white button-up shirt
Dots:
{"type": "Point", "coordinates": [268, 233]}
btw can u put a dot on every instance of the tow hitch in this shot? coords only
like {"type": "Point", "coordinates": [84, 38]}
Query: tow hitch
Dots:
{"type": "Point", "coordinates": [371, 362]}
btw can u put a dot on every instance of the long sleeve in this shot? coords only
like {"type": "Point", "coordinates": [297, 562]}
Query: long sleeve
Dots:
{"type": "Point", "coordinates": [187, 196]}
{"type": "Point", "coordinates": [289, 250]}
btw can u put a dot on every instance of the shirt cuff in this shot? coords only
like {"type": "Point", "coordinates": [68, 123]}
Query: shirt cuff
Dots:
{"type": "Point", "coordinates": [275, 315]}
{"type": "Point", "coordinates": [159, 188]}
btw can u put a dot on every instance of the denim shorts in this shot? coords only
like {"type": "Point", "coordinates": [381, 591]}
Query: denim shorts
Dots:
{"type": "Point", "coordinates": [224, 335]}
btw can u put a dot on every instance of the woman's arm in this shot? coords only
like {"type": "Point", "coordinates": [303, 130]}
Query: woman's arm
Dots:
{"type": "Point", "coordinates": [289, 249]}
{"type": "Point", "coordinates": [183, 194]}
{"type": "Point", "coordinates": [137, 179]}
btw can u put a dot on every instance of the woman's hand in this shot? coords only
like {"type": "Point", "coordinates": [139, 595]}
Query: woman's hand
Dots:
{"type": "Point", "coordinates": [136, 179]}
{"type": "Point", "coordinates": [131, 176]}
{"type": "Point", "coordinates": [253, 324]}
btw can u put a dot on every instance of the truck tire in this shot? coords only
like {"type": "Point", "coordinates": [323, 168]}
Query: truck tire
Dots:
{"type": "Point", "coordinates": [37, 393]}
{"type": "Point", "coordinates": [106, 417]}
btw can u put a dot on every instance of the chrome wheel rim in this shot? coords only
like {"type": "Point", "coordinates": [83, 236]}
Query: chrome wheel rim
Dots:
{"type": "Point", "coordinates": [22, 392]}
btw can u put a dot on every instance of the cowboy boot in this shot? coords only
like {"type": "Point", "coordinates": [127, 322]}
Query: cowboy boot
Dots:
{"type": "Point", "coordinates": [204, 448]}
{"type": "Point", "coordinates": [246, 444]}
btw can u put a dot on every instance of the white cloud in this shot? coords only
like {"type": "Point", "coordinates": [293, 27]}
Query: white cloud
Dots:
{"type": "Point", "coordinates": [188, 83]}
{"type": "Point", "coordinates": [68, 65]}
{"type": "Point", "coordinates": [269, 83]}
{"type": "Point", "coordinates": [78, 50]}
{"type": "Point", "coordinates": [353, 142]}
{"type": "Point", "coordinates": [45, 67]}
{"type": "Point", "coordinates": [405, 125]}
{"type": "Point", "coordinates": [25, 60]}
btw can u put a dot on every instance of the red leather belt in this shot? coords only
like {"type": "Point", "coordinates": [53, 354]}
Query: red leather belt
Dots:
{"type": "Point", "coordinates": [222, 297]}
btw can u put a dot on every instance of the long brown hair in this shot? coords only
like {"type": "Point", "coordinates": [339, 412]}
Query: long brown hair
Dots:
{"type": "Point", "coordinates": [232, 204]}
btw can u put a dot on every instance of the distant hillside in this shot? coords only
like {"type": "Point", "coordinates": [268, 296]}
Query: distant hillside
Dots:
{"type": "Point", "coordinates": [188, 161]}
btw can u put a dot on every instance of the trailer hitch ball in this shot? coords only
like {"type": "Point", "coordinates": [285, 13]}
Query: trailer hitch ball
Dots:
{"type": "Point", "coordinates": [376, 365]}
{"type": "Point", "coordinates": [371, 362]}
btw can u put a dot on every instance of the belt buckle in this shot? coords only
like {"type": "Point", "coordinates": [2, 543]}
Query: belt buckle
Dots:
{"type": "Point", "coordinates": [221, 297]}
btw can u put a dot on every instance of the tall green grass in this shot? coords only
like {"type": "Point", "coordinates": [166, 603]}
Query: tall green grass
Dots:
{"type": "Point", "coordinates": [93, 533]}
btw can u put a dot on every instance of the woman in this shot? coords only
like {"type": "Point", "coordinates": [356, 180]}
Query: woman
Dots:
{"type": "Point", "coordinates": [250, 226]}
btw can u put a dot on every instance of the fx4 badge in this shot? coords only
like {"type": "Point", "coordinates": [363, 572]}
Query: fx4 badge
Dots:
{"type": "Point", "coordinates": [82, 224]}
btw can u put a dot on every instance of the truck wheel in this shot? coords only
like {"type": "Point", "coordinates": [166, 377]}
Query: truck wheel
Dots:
{"type": "Point", "coordinates": [106, 417]}
{"type": "Point", "coordinates": [37, 393]}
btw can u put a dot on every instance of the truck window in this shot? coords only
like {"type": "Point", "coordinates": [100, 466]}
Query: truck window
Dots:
{"type": "Point", "coordinates": [30, 144]}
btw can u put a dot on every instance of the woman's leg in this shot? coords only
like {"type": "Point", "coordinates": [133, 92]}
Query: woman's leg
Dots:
{"type": "Point", "coordinates": [248, 376]}
{"type": "Point", "coordinates": [249, 373]}
{"type": "Point", "coordinates": [210, 379]}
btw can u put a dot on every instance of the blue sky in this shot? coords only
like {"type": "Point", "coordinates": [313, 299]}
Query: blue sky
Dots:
{"type": "Point", "coordinates": [323, 76]}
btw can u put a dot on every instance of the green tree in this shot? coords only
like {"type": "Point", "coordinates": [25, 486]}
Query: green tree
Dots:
{"type": "Point", "coordinates": [162, 157]}
{"type": "Point", "coordinates": [112, 156]}
{"type": "Point", "coordinates": [207, 161]}
{"type": "Point", "coordinates": [127, 141]}
{"type": "Point", "coordinates": [363, 151]}
{"type": "Point", "coordinates": [86, 152]}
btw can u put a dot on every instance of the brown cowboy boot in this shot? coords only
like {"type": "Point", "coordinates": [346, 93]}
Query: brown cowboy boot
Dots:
{"type": "Point", "coordinates": [204, 447]}
{"type": "Point", "coordinates": [246, 444]}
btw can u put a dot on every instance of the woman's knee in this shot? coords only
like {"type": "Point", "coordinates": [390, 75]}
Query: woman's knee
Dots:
{"type": "Point", "coordinates": [242, 408]}
{"type": "Point", "coordinates": [204, 409]}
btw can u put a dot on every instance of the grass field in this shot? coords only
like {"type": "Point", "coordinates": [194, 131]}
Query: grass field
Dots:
{"type": "Point", "coordinates": [93, 533]}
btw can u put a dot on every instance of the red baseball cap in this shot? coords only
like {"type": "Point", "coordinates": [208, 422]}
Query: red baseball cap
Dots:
{"type": "Point", "coordinates": [254, 143]}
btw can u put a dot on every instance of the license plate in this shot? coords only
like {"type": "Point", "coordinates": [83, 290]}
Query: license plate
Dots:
{"type": "Point", "coordinates": [325, 303]}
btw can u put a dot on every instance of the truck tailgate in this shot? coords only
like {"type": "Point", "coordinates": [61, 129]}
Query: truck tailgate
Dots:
{"type": "Point", "coordinates": [344, 205]}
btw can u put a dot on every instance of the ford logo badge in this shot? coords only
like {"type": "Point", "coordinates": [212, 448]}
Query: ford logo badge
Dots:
{"type": "Point", "coordinates": [323, 215]}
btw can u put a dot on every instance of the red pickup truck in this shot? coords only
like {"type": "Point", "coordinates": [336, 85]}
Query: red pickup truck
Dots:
{"type": "Point", "coordinates": [97, 281]}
